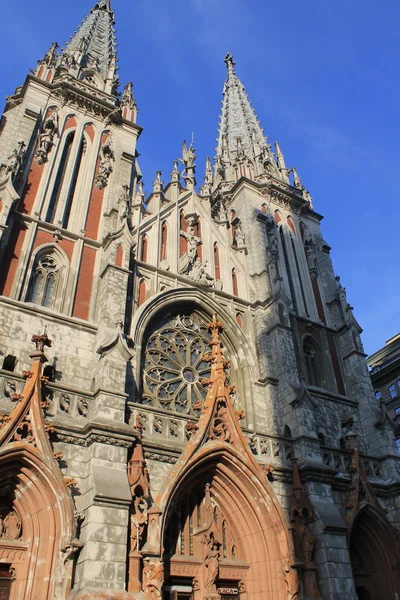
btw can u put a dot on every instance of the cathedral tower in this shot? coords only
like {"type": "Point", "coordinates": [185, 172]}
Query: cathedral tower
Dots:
{"type": "Point", "coordinates": [202, 424]}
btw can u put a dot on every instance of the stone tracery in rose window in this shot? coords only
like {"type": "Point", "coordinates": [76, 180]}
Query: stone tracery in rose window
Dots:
{"type": "Point", "coordinates": [173, 365]}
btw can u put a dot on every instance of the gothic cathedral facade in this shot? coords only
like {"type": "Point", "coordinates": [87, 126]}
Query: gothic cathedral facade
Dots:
{"type": "Point", "coordinates": [195, 418]}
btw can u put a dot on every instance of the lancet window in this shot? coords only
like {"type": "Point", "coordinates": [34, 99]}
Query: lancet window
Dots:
{"type": "Point", "coordinates": [173, 365]}
{"type": "Point", "coordinates": [313, 362]}
{"type": "Point", "coordinates": [44, 281]}
{"type": "Point", "coordinates": [58, 184]}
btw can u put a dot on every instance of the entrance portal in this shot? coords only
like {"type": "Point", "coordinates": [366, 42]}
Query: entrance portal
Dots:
{"type": "Point", "coordinates": [374, 557]}
{"type": "Point", "coordinates": [5, 582]}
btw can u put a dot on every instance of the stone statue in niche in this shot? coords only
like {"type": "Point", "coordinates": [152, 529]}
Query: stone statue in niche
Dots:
{"type": "Point", "coordinates": [187, 260]}
{"type": "Point", "coordinates": [211, 561]}
{"type": "Point", "coordinates": [272, 237]}
{"type": "Point", "coordinates": [139, 521]}
{"type": "Point", "coordinates": [200, 274]}
{"type": "Point", "coordinates": [309, 250]}
{"type": "Point", "coordinates": [10, 525]}
{"type": "Point", "coordinates": [239, 239]}
{"type": "Point", "coordinates": [46, 138]}
{"type": "Point", "coordinates": [15, 160]}
{"type": "Point", "coordinates": [106, 166]}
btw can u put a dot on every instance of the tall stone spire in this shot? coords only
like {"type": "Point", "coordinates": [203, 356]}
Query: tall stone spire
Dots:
{"type": "Point", "coordinates": [91, 53]}
{"type": "Point", "coordinates": [239, 130]}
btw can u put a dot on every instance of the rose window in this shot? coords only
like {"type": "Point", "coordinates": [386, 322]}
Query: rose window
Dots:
{"type": "Point", "coordinates": [174, 365]}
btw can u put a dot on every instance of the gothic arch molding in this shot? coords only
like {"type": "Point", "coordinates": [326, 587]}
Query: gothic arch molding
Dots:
{"type": "Point", "coordinates": [241, 355]}
{"type": "Point", "coordinates": [47, 524]}
{"type": "Point", "coordinates": [375, 555]}
{"type": "Point", "coordinates": [260, 531]}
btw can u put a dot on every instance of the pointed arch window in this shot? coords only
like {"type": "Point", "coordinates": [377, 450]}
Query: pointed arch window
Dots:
{"type": "Point", "coordinates": [144, 248]}
{"type": "Point", "coordinates": [198, 234]}
{"type": "Point", "coordinates": [58, 184]}
{"type": "Point", "coordinates": [217, 265]}
{"type": "Point", "coordinates": [183, 245]}
{"type": "Point", "coordinates": [164, 240]}
{"type": "Point", "coordinates": [72, 188]}
{"type": "Point", "coordinates": [312, 357]}
{"type": "Point", "coordinates": [44, 280]}
{"type": "Point", "coordinates": [235, 287]}
{"type": "Point", "coordinates": [142, 292]}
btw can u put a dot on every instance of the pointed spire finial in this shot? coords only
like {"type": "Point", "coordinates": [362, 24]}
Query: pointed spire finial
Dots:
{"type": "Point", "coordinates": [230, 63]}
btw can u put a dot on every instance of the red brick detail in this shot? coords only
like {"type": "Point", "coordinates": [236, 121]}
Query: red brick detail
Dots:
{"type": "Point", "coordinates": [264, 208]}
{"type": "Point", "coordinates": [318, 299]}
{"type": "Point", "coordinates": [291, 224]}
{"type": "Point", "coordinates": [89, 129]}
{"type": "Point", "coordinates": [49, 76]}
{"type": "Point", "coordinates": [183, 245]}
{"type": "Point", "coordinates": [11, 259]}
{"type": "Point", "coordinates": [314, 333]}
{"type": "Point", "coordinates": [277, 216]}
{"type": "Point", "coordinates": [120, 256]}
{"type": "Point", "coordinates": [31, 187]}
{"type": "Point", "coordinates": [85, 284]}
{"type": "Point", "coordinates": [44, 237]}
{"type": "Point", "coordinates": [96, 201]}
{"type": "Point", "coordinates": [40, 72]}
{"type": "Point", "coordinates": [239, 320]}
{"type": "Point", "coordinates": [142, 292]}
{"type": "Point", "coordinates": [336, 365]}
{"type": "Point", "coordinates": [1, 204]}
{"type": "Point", "coordinates": [69, 123]}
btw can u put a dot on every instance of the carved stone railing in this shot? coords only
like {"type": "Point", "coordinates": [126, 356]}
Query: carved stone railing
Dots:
{"type": "Point", "coordinates": [341, 461]}
{"type": "Point", "coordinates": [160, 427]}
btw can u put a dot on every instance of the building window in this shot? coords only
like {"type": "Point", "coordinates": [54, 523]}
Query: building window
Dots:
{"type": "Point", "coordinates": [398, 445]}
{"type": "Point", "coordinates": [58, 184]}
{"type": "Point", "coordinates": [313, 362]}
{"type": "Point", "coordinates": [9, 363]}
{"type": "Point", "coordinates": [392, 390]}
{"type": "Point", "coordinates": [143, 252]}
{"type": "Point", "coordinates": [217, 267]}
{"type": "Point", "coordinates": [43, 281]}
{"type": "Point", "coordinates": [398, 383]}
{"type": "Point", "coordinates": [378, 395]}
{"type": "Point", "coordinates": [235, 287]}
{"type": "Point", "coordinates": [72, 188]}
{"type": "Point", "coordinates": [173, 365]}
{"type": "Point", "coordinates": [397, 410]}
{"type": "Point", "coordinates": [164, 239]}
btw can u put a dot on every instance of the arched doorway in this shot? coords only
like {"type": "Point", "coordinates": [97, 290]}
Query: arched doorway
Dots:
{"type": "Point", "coordinates": [374, 555]}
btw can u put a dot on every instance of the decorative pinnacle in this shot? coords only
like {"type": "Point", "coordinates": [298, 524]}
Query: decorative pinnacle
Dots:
{"type": "Point", "coordinates": [41, 341]}
{"type": "Point", "coordinates": [230, 63]}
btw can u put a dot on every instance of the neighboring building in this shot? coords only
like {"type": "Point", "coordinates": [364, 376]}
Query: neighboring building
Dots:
{"type": "Point", "coordinates": [131, 468]}
{"type": "Point", "coordinates": [385, 376]}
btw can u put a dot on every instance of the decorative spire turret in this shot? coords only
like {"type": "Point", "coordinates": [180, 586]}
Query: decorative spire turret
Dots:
{"type": "Point", "coordinates": [91, 54]}
{"type": "Point", "coordinates": [239, 127]}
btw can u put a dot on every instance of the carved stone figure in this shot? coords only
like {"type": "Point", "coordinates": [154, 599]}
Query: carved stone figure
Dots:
{"type": "Point", "coordinates": [10, 526]}
{"type": "Point", "coordinates": [292, 581]}
{"type": "Point", "coordinates": [153, 577]}
{"type": "Point", "coordinates": [46, 138]}
{"type": "Point", "coordinates": [187, 260]}
{"type": "Point", "coordinates": [309, 250]}
{"type": "Point", "coordinates": [16, 159]}
{"type": "Point", "coordinates": [211, 561]}
{"type": "Point", "coordinates": [188, 156]}
{"type": "Point", "coordinates": [106, 166]}
{"type": "Point", "coordinates": [272, 236]}
{"type": "Point", "coordinates": [200, 274]}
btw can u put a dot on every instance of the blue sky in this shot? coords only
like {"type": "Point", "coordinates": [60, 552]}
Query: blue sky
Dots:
{"type": "Point", "coordinates": [323, 76]}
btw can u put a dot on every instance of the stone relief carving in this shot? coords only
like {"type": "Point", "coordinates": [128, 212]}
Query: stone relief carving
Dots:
{"type": "Point", "coordinates": [46, 138]}
{"type": "Point", "coordinates": [153, 577]}
{"type": "Point", "coordinates": [292, 581]}
{"type": "Point", "coordinates": [10, 525]}
{"type": "Point", "coordinates": [272, 236]}
{"type": "Point", "coordinates": [211, 561]}
{"type": "Point", "coordinates": [239, 241]}
{"type": "Point", "coordinates": [106, 165]}
{"type": "Point", "coordinates": [15, 160]}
